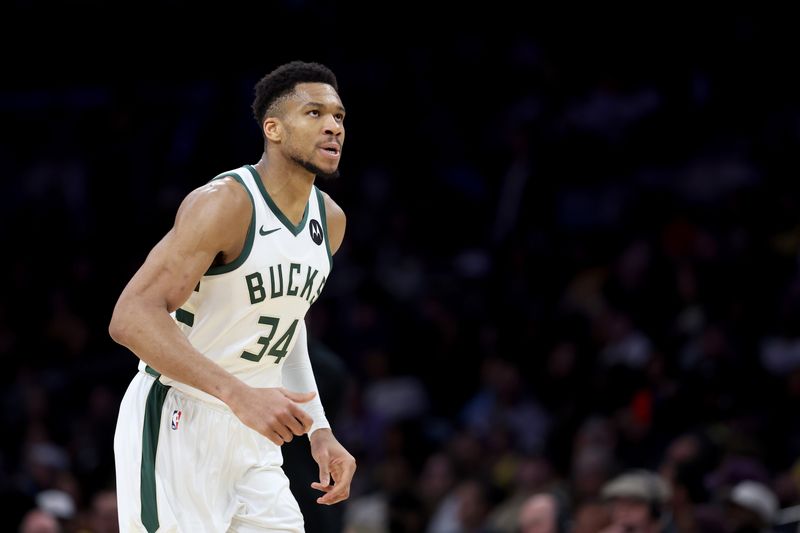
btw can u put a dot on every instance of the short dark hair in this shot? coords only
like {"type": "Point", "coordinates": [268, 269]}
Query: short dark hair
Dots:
{"type": "Point", "coordinates": [283, 80]}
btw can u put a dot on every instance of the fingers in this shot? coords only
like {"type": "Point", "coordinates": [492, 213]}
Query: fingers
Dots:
{"type": "Point", "coordinates": [274, 437]}
{"type": "Point", "coordinates": [301, 397]}
{"type": "Point", "coordinates": [284, 432]}
{"type": "Point", "coordinates": [301, 416]}
{"type": "Point", "coordinates": [327, 499]}
{"type": "Point", "coordinates": [341, 489]}
{"type": "Point", "coordinates": [290, 421]}
{"type": "Point", "coordinates": [335, 494]}
{"type": "Point", "coordinates": [297, 412]}
{"type": "Point", "coordinates": [319, 486]}
{"type": "Point", "coordinates": [276, 429]}
{"type": "Point", "coordinates": [282, 417]}
{"type": "Point", "coordinates": [324, 473]}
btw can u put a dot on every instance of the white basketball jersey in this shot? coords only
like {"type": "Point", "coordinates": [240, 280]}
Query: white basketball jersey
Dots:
{"type": "Point", "coordinates": [245, 315]}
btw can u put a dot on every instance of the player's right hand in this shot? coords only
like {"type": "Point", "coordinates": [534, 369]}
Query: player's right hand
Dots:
{"type": "Point", "coordinates": [274, 412]}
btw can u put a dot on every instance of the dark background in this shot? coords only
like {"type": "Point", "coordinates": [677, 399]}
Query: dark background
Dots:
{"type": "Point", "coordinates": [572, 238]}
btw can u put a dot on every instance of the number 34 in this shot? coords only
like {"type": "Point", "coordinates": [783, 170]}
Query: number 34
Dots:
{"type": "Point", "coordinates": [280, 348]}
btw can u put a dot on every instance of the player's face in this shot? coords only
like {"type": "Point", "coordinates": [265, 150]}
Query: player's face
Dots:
{"type": "Point", "coordinates": [315, 128]}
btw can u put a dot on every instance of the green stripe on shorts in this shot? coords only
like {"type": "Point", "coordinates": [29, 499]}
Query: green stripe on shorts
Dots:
{"type": "Point", "coordinates": [152, 425]}
{"type": "Point", "coordinates": [184, 316]}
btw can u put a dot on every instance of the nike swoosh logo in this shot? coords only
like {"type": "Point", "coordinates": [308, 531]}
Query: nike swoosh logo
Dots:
{"type": "Point", "coordinates": [262, 231]}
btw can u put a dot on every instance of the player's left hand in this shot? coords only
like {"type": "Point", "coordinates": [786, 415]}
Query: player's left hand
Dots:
{"type": "Point", "coordinates": [336, 467]}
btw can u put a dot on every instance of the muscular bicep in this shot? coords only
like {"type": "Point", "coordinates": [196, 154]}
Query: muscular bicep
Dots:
{"type": "Point", "coordinates": [172, 269]}
{"type": "Point", "coordinates": [210, 221]}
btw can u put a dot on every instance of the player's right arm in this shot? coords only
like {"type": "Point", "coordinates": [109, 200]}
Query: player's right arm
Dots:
{"type": "Point", "coordinates": [211, 222]}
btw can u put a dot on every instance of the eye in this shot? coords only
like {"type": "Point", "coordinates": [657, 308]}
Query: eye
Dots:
{"type": "Point", "coordinates": [314, 112]}
{"type": "Point", "coordinates": [339, 117]}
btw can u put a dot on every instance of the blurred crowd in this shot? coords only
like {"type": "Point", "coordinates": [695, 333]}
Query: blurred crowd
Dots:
{"type": "Point", "coordinates": [568, 299]}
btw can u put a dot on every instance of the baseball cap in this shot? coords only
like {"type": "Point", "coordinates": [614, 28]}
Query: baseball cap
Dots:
{"type": "Point", "coordinates": [756, 497]}
{"type": "Point", "coordinates": [56, 502]}
{"type": "Point", "coordinates": [637, 484]}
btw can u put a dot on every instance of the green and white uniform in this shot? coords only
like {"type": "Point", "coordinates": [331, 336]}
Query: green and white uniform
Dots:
{"type": "Point", "coordinates": [188, 463]}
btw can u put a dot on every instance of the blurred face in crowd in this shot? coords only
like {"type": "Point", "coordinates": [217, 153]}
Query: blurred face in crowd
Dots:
{"type": "Point", "coordinates": [631, 515]}
{"type": "Point", "coordinates": [37, 521]}
{"type": "Point", "coordinates": [742, 520]}
{"type": "Point", "coordinates": [590, 517]}
{"type": "Point", "coordinates": [538, 514]}
{"type": "Point", "coordinates": [473, 507]}
{"type": "Point", "coordinates": [104, 513]}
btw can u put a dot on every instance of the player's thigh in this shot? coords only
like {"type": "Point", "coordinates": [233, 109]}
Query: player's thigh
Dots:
{"type": "Point", "coordinates": [196, 465]}
{"type": "Point", "coordinates": [266, 503]}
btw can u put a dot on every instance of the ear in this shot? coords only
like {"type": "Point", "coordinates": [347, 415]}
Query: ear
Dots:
{"type": "Point", "coordinates": [273, 129]}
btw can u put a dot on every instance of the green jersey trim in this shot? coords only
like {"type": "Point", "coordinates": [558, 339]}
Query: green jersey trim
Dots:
{"type": "Point", "coordinates": [321, 203]}
{"type": "Point", "coordinates": [152, 425]}
{"type": "Point", "coordinates": [274, 208]}
{"type": "Point", "coordinates": [248, 243]}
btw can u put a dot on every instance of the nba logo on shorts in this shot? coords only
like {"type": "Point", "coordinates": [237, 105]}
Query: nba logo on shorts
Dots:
{"type": "Point", "coordinates": [176, 417]}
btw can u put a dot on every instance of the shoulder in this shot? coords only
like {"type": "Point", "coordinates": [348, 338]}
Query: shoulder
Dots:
{"type": "Point", "coordinates": [217, 212]}
{"type": "Point", "coordinates": [332, 209]}
{"type": "Point", "coordinates": [227, 191]}
{"type": "Point", "coordinates": [336, 221]}
{"type": "Point", "coordinates": [223, 198]}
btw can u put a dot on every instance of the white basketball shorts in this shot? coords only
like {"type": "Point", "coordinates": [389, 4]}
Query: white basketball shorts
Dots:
{"type": "Point", "coordinates": [188, 466]}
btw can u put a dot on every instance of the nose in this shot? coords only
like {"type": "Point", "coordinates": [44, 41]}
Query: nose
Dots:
{"type": "Point", "coordinates": [333, 126]}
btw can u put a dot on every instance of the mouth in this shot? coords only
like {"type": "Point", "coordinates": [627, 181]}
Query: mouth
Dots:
{"type": "Point", "coordinates": [331, 149]}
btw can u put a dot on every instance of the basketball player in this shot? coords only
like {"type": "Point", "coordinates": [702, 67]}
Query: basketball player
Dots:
{"type": "Point", "coordinates": [216, 316]}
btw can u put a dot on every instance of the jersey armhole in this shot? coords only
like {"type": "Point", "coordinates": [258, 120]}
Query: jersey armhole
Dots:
{"type": "Point", "coordinates": [321, 204]}
{"type": "Point", "coordinates": [248, 241]}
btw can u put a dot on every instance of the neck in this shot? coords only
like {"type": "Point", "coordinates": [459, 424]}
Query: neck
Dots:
{"type": "Point", "coordinates": [288, 184]}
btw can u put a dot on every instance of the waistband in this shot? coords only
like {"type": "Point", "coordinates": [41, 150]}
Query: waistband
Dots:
{"type": "Point", "coordinates": [186, 392]}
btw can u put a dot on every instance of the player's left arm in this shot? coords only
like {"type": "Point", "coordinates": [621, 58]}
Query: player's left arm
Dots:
{"type": "Point", "coordinates": [336, 464]}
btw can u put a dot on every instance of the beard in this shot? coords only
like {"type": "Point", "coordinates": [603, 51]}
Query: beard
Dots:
{"type": "Point", "coordinates": [314, 169]}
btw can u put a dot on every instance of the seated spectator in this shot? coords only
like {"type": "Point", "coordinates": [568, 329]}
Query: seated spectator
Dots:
{"type": "Point", "coordinates": [752, 507]}
{"type": "Point", "coordinates": [590, 516]}
{"type": "Point", "coordinates": [542, 513]}
{"type": "Point", "coordinates": [38, 521]}
{"type": "Point", "coordinates": [638, 502]}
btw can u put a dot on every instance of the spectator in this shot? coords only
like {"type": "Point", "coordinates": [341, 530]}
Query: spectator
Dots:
{"type": "Point", "coordinates": [543, 513]}
{"type": "Point", "coordinates": [103, 513]}
{"type": "Point", "coordinates": [752, 508]}
{"type": "Point", "coordinates": [39, 521]}
{"type": "Point", "coordinates": [591, 516]}
{"type": "Point", "coordinates": [638, 501]}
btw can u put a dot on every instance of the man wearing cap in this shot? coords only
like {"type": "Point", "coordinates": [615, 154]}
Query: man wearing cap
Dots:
{"type": "Point", "coordinates": [751, 508]}
{"type": "Point", "coordinates": [637, 501]}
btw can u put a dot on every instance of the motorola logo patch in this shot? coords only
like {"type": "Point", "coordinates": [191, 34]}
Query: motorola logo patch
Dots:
{"type": "Point", "coordinates": [315, 229]}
